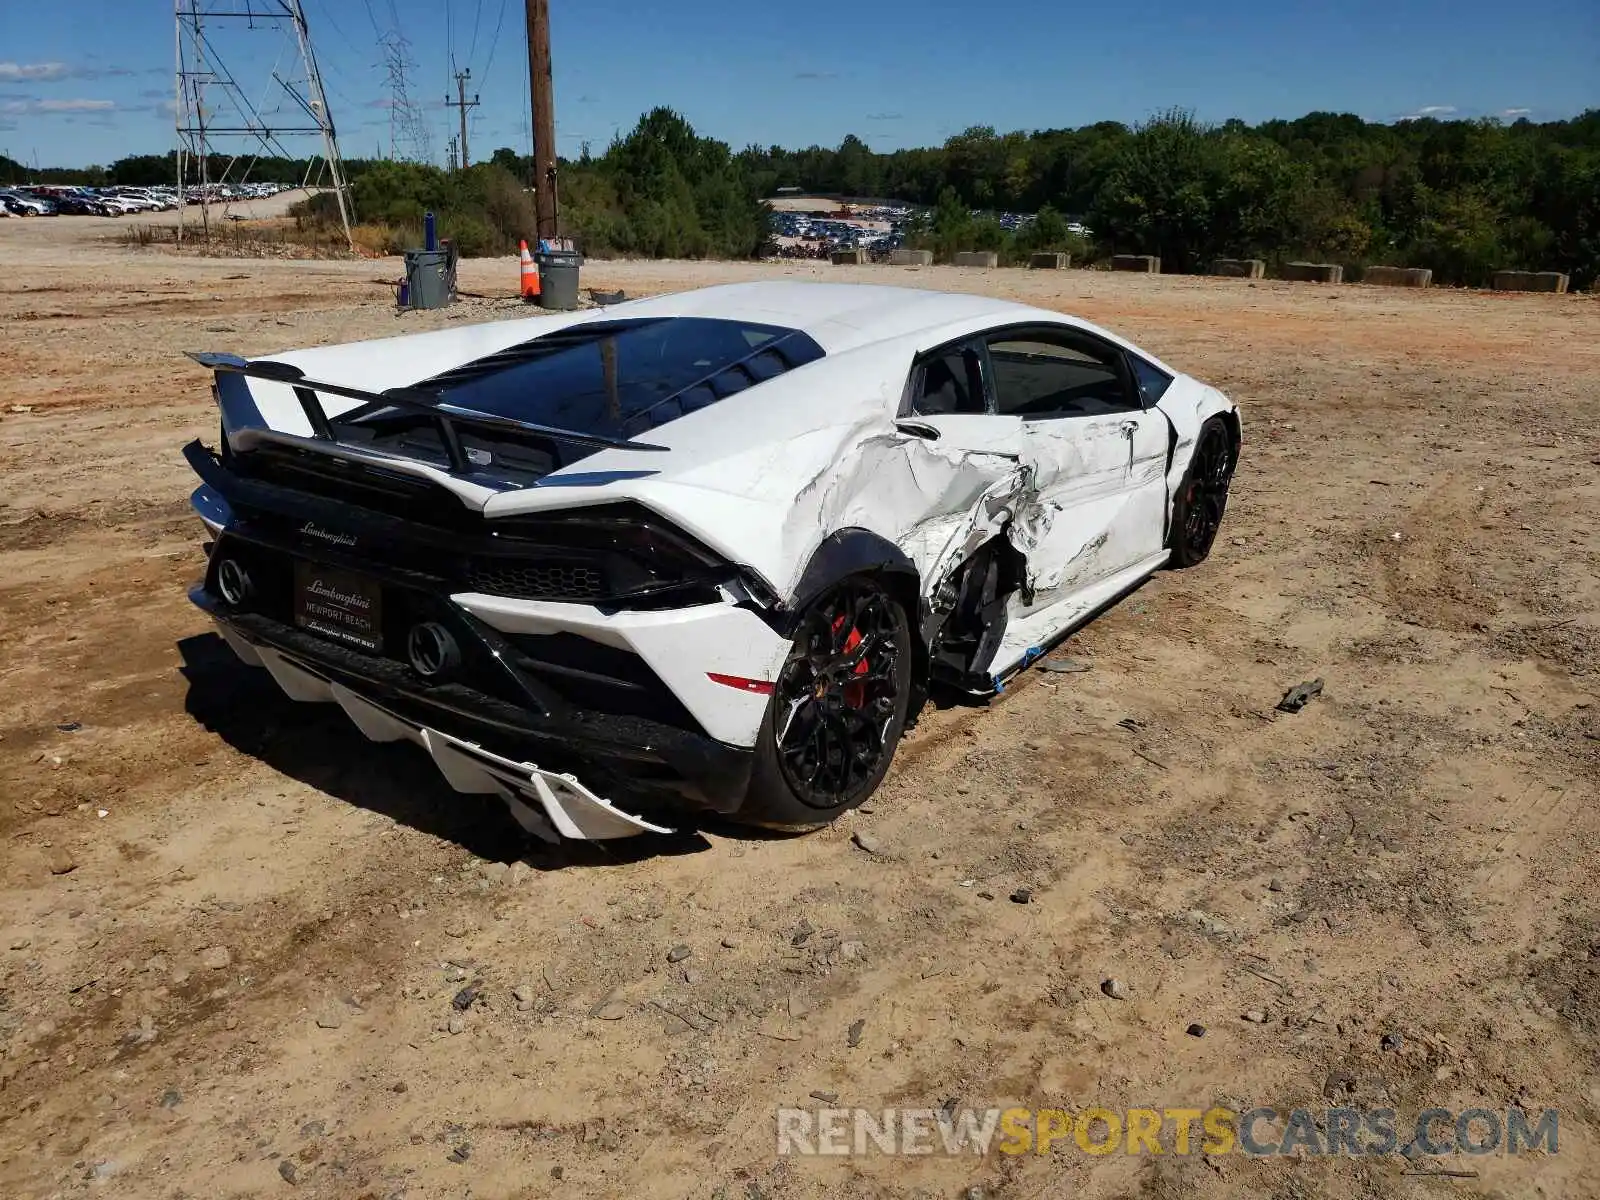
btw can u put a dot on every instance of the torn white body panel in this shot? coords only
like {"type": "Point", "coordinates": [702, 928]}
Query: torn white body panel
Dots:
{"type": "Point", "coordinates": [929, 499]}
{"type": "Point", "coordinates": [1098, 499]}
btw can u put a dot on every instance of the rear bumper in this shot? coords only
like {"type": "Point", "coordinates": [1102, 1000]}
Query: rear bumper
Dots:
{"type": "Point", "coordinates": [483, 743]}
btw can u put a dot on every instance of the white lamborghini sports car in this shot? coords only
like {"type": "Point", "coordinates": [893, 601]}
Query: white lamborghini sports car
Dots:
{"type": "Point", "coordinates": [702, 552]}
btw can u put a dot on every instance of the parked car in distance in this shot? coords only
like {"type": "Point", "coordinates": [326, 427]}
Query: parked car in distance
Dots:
{"type": "Point", "coordinates": [81, 206]}
{"type": "Point", "coordinates": [23, 205]}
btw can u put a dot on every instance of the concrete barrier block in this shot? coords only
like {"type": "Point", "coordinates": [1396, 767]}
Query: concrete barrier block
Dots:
{"type": "Point", "coordinates": [1050, 261]}
{"type": "Point", "coordinates": [1240, 268]}
{"type": "Point", "coordinates": [1147, 263]}
{"type": "Point", "coordinates": [977, 258]}
{"type": "Point", "coordinates": [1309, 272]}
{"type": "Point", "coordinates": [911, 258]}
{"type": "Point", "coordinates": [1530, 281]}
{"type": "Point", "coordinates": [1398, 276]}
{"type": "Point", "coordinates": [841, 258]}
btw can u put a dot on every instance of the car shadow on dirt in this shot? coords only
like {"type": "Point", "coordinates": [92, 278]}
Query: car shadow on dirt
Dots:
{"type": "Point", "coordinates": [317, 745]}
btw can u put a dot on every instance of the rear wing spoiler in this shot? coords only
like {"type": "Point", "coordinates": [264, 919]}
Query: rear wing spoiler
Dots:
{"type": "Point", "coordinates": [413, 399]}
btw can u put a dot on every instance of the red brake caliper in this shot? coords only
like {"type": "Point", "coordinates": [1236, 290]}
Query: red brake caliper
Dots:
{"type": "Point", "coordinates": [855, 694]}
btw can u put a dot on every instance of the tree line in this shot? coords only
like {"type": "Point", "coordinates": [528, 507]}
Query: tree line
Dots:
{"type": "Point", "coordinates": [1464, 197]}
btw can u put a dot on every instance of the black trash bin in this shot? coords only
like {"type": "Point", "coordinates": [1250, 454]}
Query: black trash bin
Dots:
{"type": "Point", "coordinates": [558, 278]}
{"type": "Point", "coordinates": [430, 278]}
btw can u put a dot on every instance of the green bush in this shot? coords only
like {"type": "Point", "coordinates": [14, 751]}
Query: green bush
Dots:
{"type": "Point", "coordinates": [483, 210]}
{"type": "Point", "coordinates": [661, 192]}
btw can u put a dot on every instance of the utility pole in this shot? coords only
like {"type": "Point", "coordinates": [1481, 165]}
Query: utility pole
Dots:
{"type": "Point", "coordinates": [541, 90]}
{"type": "Point", "coordinates": [461, 102]}
{"type": "Point", "coordinates": [450, 151]}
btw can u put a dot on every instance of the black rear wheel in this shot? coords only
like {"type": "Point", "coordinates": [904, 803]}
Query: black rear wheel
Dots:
{"type": "Point", "coordinates": [1203, 495]}
{"type": "Point", "coordinates": [837, 711]}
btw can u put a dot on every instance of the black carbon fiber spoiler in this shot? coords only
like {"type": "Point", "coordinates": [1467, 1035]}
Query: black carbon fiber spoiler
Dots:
{"type": "Point", "coordinates": [418, 400]}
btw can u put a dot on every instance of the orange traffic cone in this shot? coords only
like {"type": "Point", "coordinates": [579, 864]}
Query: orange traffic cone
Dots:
{"type": "Point", "coordinates": [530, 275]}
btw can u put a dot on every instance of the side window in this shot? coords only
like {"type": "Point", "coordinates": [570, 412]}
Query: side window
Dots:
{"type": "Point", "coordinates": [1045, 374]}
{"type": "Point", "coordinates": [950, 383]}
{"type": "Point", "coordinates": [1152, 383]}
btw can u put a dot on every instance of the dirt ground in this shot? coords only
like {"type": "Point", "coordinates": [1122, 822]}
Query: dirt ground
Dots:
{"type": "Point", "coordinates": [232, 931]}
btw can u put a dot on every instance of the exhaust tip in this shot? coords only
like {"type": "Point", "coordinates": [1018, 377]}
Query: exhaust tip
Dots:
{"type": "Point", "coordinates": [432, 650]}
{"type": "Point", "coordinates": [234, 582]}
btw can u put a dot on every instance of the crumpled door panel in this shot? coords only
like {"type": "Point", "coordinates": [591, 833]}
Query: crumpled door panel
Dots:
{"type": "Point", "coordinates": [1097, 505]}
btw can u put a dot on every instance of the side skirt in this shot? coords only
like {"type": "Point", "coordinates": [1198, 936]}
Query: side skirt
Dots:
{"type": "Point", "coordinates": [1031, 637]}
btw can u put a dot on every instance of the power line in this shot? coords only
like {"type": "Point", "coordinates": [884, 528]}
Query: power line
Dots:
{"type": "Point", "coordinates": [477, 18]}
{"type": "Point", "coordinates": [494, 42]}
{"type": "Point", "coordinates": [327, 14]}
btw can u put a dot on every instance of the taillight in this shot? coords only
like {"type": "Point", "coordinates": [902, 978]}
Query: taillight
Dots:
{"type": "Point", "coordinates": [760, 687]}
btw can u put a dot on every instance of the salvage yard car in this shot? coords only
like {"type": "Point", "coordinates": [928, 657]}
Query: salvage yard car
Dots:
{"type": "Point", "coordinates": [705, 551]}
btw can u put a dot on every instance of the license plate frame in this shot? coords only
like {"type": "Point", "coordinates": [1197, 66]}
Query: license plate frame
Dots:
{"type": "Point", "coordinates": [338, 604]}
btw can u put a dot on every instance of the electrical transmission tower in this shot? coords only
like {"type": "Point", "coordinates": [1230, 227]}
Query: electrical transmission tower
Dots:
{"type": "Point", "coordinates": [213, 107]}
{"type": "Point", "coordinates": [408, 132]}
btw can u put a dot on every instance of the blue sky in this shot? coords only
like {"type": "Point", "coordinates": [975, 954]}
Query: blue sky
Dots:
{"type": "Point", "coordinates": [90, 80]}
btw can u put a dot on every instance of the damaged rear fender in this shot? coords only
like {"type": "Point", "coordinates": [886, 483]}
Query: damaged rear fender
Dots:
{"type": "Point", "coordinates": [912, 512]}
{"type": "Point", "coordinates": [932, 502]}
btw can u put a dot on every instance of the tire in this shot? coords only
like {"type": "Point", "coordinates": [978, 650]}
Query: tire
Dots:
{"type": "Point", "coordinates": [1203, 496]}
{"type": "Point", "coordinates": [837, 710]}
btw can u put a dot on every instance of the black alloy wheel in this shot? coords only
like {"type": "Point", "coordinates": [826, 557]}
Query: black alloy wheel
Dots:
{"type": "Point", "coordinates": [1203, 497]}
{"type": "Point", "coordinates": [838, 707]}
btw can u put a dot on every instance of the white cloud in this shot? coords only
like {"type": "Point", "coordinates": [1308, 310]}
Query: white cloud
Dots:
{"type": "Point", "coordinates": [23, 108]}
{"type": "Point", "coordinates": [76, 105]}
{"type": "Point", "coordinates": [1513, 113]}
{"type": "Point", "coordinates": [55, 72]}
{"type": "Point", "coordinates": [11, 72]}
{"type": "Point", "coordinates": [1430, 110]}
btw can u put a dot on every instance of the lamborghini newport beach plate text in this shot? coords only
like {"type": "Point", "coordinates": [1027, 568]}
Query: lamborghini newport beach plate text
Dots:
{"type": "Point", "coordinates": [704, 551]}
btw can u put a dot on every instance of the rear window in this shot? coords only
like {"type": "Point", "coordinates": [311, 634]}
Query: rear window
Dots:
{"type": "Point", "coordinates": [624, 377]}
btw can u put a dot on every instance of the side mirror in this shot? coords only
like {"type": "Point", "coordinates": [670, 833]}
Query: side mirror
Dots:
{"type": "Point", "coordinates": [919, 429]}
